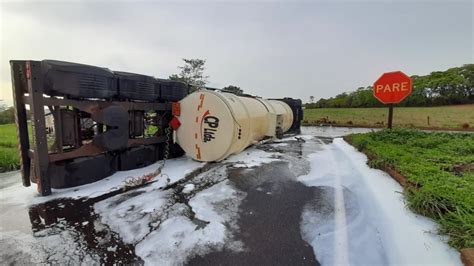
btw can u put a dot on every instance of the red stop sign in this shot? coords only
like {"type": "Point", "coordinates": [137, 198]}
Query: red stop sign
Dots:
{"type": "Point", "coordinates": [392, 87]}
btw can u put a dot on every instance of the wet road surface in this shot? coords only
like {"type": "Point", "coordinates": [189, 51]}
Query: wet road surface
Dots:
{"type": "Point", "coordinates": [253, 213]}
{"type": "Point", "coordinates": [269, 219]}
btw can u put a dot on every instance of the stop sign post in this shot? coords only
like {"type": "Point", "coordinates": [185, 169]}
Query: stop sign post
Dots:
{"type": "Point", "coordinates": [392, 88]}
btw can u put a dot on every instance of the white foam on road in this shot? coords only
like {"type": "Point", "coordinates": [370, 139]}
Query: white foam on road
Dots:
{"type": "Point", "coordinates": [379, 228]}
{"type": "Point", "coordinates": [360, 219]}
{"type": "Point", "coordinates": [178, 238]}
{"type": "Point", "coordinates": [49, 246]}
{"type": "Point", "coordinates": [166, 231]}
{"type": "Point", "coordinates": [188, 188]}
{"type": "Point", "coordinates": [175, 169]}
{"type": "Point", "coordinates": [330, 131]}
{"type": "Point", "coordinates": [143, 215]}
{"type": "Point", "coordinates": [251, 157]}
{"type": "Point", "coordinates": [130, 214]}
{"type": "Point", "coordinates": [340, 243]}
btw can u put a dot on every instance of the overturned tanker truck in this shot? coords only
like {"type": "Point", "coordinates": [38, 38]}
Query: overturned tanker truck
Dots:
{"type": "Point", "coordinates": [88, 122]}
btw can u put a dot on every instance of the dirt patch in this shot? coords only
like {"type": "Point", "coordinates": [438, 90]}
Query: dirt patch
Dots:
{"type": "Point", "coordinates": [467, 256]}
{"type": "Point", "coordinates": [463, 168]}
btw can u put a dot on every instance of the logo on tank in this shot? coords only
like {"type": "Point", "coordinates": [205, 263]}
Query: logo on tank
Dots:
{"type": "Point", "coordinates": [209, 126]}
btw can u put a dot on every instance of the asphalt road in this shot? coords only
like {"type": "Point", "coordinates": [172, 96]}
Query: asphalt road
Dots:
{"type": "Point", "coordinates": [261, 206]}
{"type": "Point", "coordinates": [268, 219]}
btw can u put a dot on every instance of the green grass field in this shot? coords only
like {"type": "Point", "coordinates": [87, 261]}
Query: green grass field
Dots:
{"type": "Point", "coordinates": [9, 159]}
{"type": "Point", "coordinates": [440, 169]}
{"type": "Point", "coordinates": [412, 117]}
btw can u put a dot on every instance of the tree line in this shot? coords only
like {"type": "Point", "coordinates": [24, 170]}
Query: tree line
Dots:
{"type": "Point", "coordinates": [450, 87]}
{"type": "Point", "coordinates": [7, 113]}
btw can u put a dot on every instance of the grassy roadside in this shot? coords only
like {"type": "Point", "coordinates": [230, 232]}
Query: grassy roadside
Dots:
{"type": "Point", "coordinates": [442, 117]}
{"type": "Point", "coordinates": [9, 157]}
{"type": "Point", "coordinates": [440, 171]}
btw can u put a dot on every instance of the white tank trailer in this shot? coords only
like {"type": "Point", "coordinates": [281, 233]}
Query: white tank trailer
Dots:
{"type": "Point", "coordinates": [216, 124]}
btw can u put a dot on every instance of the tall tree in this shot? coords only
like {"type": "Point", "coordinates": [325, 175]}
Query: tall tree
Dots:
{"type": "Point", "coordinates": [192, 73]}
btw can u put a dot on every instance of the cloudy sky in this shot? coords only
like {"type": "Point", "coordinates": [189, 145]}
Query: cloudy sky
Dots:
{"type": "Point", "coordinates": [271, 49]}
